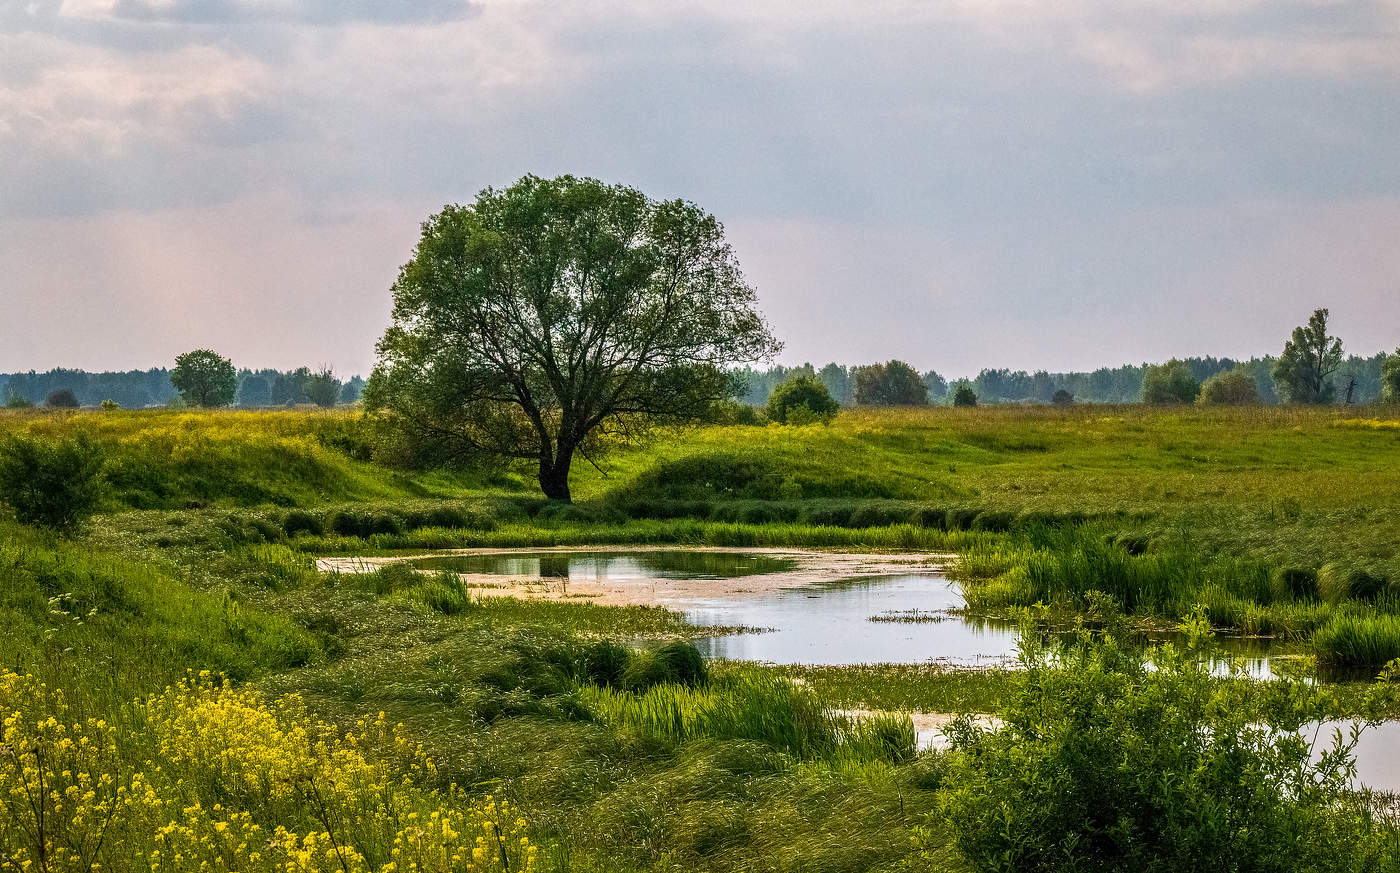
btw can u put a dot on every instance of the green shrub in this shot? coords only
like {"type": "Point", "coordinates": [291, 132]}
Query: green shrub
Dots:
{"type": "Point", "coordinates": [934, 517]}
{"type": "Point", "coordinates": [878, 515]}
{"type": "Point", "coordinates": [299, 521]}
{"type": "Point", "coordinates": [964, 396]}
{"type": "Point", "coordinates": [802, 400]}
{"type": "Point", "coordinates": [994, 521]}
{"type": "Point", "coordinates": [53, 483]}
{"type": "Point", "coordinates": [1229, 388]}
{"type": "Point", "coordinates": [63, 398]}
{"type": "Point", "coordinates": [1102, 761]}
{"type": "Point", "coordinates": [363, 524]}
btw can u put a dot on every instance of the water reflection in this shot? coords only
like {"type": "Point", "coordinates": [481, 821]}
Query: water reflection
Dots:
{"type": "Point", "coordinates": [612, 566]}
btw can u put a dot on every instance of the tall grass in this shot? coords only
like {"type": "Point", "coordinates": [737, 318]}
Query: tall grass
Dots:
{"type": "Point", "coordinates": [752, 704]}
{"type": "Point", "coordinates": [1351, 639]}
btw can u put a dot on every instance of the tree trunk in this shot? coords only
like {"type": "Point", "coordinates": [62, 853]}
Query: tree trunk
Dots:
{"type": "Point", "coordinates": [554, 474]}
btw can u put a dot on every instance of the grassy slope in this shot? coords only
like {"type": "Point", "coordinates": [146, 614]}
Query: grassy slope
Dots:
{"type": "Point", "coordinates": [177, 589]}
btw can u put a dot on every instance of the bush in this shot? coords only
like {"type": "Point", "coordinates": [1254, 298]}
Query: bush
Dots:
{"type": "Point", "coordinates": [1102, 761]}
{"type": "Point", "coordinates": [1171, 382]}
{"type": "Point", "coordinates": [51, 483]}
{"type": "Point", "coordinates": [891, 384]}
{"type": "Point", "coordinates": [363, 524]}
{"type": "Point", "coordinates": [63, 398]}
{"type": "Point", "coordinates": [965, 396]}
{"type": "Point", "coordinates": [1062, 398]}
{"type": "Point", "coordinates": [300, 521]}
{"type": "Point", "coordinates": [801, 400]}
{"type": "Point", "coordinates": [1230, 388]}
{"type": "Point", "coordinates": [1390, 378]}
{"type": "Point", "coordinates": [110, 406]}
{"type": "Point", "coordinates": [1336, 582]}
{"type": "Point", "coordinates": [605, 662]}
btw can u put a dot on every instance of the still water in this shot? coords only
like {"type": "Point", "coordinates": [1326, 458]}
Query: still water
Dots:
{"type": "Point", "coordinates": [898, 618]}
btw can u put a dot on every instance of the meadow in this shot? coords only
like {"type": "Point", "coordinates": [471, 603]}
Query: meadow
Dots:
{"type": "Point", "coordinates": [594, 734]}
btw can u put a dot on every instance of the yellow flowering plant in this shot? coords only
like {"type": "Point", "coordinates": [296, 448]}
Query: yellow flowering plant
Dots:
{"type": "Point", "coordinates": [234, 783]}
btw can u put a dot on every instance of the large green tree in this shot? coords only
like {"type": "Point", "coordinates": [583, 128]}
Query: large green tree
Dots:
{"type": "Point", "coordinates": [1303, 373]}
{"type": "Point", "coordinates": [204, 379]}
{"type": "Point", "coordinates": [549, 314]}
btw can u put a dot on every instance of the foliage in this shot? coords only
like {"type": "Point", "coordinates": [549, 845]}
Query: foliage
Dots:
{"type": "Point", "coordinates": [55, 483]}
{"type": "Point", "coordinates": [1171, 382]}
{"type": "Point", "coordinates": [801, 400]}
{"type": "Point", "coordinates": [893, 383]}
{"type": "Point", "coordinates": [110, 406]}
{"type": "Point", "coordinates": [204, 379]}
{"type": "Point", "coordinates": [1229, 388]}
{"type": "Point", "coordinates": [62, 398]}
{"type": "Point", "coordinates": [16, 401]}
{"type": "Point", "coordinates": [1303, 373]}
{"type": "Point", "coordinates": [323, 388]}
{"type": "Point", "coordinates": [556, 310]}
{"type": "Point", "coordinates": [1390, 378]}
{"type": "Point", "coordinates": [964, 396]}
{"type": "Point", "coordinates": [236, 783]}
{"type": "Point", "coordinates": [1104, 759]}
{"type": "Point", "coordinates": [1062, 398]}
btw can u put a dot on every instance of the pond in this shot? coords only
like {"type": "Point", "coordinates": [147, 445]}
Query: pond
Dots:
{"type": "Point", "coordinates": [806, 608]}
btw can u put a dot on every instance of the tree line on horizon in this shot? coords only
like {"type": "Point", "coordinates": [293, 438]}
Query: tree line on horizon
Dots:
{"type": "Point", "coordinates": [143, 389]}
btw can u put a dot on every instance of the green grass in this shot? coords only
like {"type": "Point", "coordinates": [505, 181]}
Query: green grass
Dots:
{"type": "Point", "coordinates": [203, 560]}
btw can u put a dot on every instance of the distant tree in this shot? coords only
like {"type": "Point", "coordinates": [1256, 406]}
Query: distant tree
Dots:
{"type": "Point", "coordinates": [890, 384]}
{"type": "Point", "coordinates": [17, 401]}
{"type": "Point", "coordinates": [801, 400]}
{"type": "Point", "coordinates": [254, 391]}
{"type": "Point", "coordinates": [110, 405]}
{"type": "Point", "coordinates": [323, 388]}
{"type": "Point", "coordinates": [62, 398]}
{"type": "Point", "coordinates": [1171, 382]}
{"type": "Point", "coordinates": [937, 386]}
{"type": "Point", "coordinates": [1231, 388]}
{"type": "Point", "coordinates": [204, 379]}
{"type": "Point", "coordinates": [1390, 378]}
{"type": "Point", "coordinates": [1062, 398]}
{"type": "Point", "coordinates": [545, 315]}
{"type": "Point", "coordinates": [1303, 373]}
{"type": "Point", "coordinates": [352, 389]}
{"type": "Point", "coordinates": [52, 483]}
{"type": "Point", "coordinates": [964, 396]}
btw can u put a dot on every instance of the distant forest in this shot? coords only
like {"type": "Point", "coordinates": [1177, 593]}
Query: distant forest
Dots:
{"type": "Point", "coordinates": [139, 389]}
{"type": "Point", "coordinates": [1104, 385]}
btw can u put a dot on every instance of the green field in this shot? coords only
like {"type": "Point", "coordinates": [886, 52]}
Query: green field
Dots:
{"type": "Point", "coordinates": [1275, 521]}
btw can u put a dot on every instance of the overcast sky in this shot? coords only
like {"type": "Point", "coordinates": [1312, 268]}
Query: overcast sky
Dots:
{"type": "Point", "coordinates": [961, 183]}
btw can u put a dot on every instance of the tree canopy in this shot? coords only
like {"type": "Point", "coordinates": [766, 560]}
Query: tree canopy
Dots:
{"type": "Point", "coordinates": [802, 400]}
{"type": "Point", "coordinates": [204, 379]}
{"type": "Point", "coordinates": [890, 384]}
{"type": "Point", "coordinates": [1303, 373]}
{"type": "Point", "coordinates": [1230, 388]}
{"type": "Point", "coordinates": [1390, 378]}
{"type": "Point", "coordinates": [1171, 382]}
{"type": "Point", "coordinates": [546, 315]}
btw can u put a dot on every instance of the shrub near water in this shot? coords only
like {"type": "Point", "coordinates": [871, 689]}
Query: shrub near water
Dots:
{"type": "Point", "coordinates": [1105, 762]}
{"type": "Point", "coordinates": [230, 782]}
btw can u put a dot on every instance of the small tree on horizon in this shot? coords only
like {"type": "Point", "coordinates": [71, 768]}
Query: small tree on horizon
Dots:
{"type": "Point", "coordinates": [802, 400]}
{"type": "Point", "coordinates": [204, 379]}
{"type": "Point", "coordinates": [1303, 373]}
{"type": "Point", "coordinates": [964, 396]}
{"type": "Point", "coordinates": [1230, 388]}
{"type": "Point", "coordinates": [1390, 378]}
{"type": "Point", "coordinates": [322, 388]}
{"type": "Point", "coordinates": [62, 398]}
{"type": "Point", "coordinates": [1062, 398]}
{"type": "Point", "coordinates": [893, 383]}
{"type": "Point", "coordinates": [1171, 382]}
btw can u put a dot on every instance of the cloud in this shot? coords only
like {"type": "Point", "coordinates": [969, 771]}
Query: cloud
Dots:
{"type": "Point", "coordinates": [1002, 151]}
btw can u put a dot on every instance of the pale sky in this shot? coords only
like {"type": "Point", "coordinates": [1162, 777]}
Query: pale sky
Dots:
{"type": "Point", "coordinates": [961, 184]}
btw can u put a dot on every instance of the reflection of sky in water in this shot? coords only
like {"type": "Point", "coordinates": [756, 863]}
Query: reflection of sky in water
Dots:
{"type": "Point", "coordinates": [829, 624]}
{"type": "Point", "coordinates": [613, 566]}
